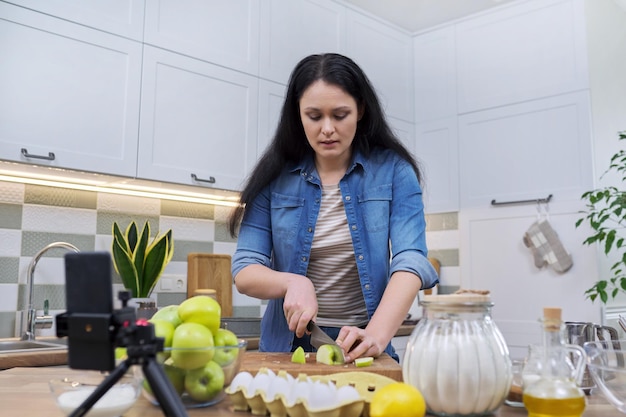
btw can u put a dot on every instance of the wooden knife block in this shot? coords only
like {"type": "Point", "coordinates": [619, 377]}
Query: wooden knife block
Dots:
{"type": "Point", "coordinates": [207, 270]}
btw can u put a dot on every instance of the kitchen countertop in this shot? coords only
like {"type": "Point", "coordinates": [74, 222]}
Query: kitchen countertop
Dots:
{"type": "Point", "coordinates": [25, 392]}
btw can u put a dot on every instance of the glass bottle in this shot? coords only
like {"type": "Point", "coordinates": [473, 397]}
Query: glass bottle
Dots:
{"type": "Point", "coordinates": [555, 392]}
{"type": "Point", "coordinates": [457, 357]}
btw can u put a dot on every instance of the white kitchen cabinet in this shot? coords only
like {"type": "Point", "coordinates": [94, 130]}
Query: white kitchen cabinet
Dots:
{"type": "Point", "coordinates": [438, 151]}
{"type": "Point", "coordinates": [69, 94]}
{"type": "Point", "coordinates": [119, 17]}
{"type": "Point", "coordinates": [405, 132]}
{"type": "Point", "coordinates": [399, 344]}
{"type": "Point", "coordinates": [386, 56]}
{"type": "Point", "coordinates": [221, 32]}
{"type": "Point", "coordinates": [198, 122]}
{"type": "Point", "coordinates": [526, 151]}
{"type": "Point", "coordinates": [293, 29]}
{"type": "Point", "coordinates": [434, 64]}
{"type": "Point", "coordinates": [271, 99]}
{"type": "Point", "coordinates": [533, 49]}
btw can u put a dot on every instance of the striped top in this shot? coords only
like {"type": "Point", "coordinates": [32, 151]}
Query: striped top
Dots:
{"type": "Point", "coordinates": [332, 266]}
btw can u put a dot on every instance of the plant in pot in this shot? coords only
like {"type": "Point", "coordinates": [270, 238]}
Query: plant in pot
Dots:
{"type": "Point", "coordinates": [606, 214]}
{"type": "Point", "coordinates": [138, 260]}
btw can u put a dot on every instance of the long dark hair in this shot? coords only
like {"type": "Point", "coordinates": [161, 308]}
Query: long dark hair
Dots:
{"type": "Point", "coordinates": [290, 144]}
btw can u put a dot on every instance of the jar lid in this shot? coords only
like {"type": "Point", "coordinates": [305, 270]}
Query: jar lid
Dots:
{"type": "Point", "coordinates": [461, 296]}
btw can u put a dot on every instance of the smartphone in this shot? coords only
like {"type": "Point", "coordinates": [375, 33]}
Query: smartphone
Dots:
{"type": "Point", "coordinates": [89, 300]}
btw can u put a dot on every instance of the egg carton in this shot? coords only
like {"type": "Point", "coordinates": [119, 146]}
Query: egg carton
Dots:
{"type": "Point", "coordinates": [343, 394]}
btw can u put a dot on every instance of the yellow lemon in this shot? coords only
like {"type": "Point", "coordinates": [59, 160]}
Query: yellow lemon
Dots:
{"type": "Point", "coordinates": [398, 400]}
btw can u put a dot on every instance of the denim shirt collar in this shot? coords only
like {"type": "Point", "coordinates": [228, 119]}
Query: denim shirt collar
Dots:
{"type": "Point", "coordinates": [307, 165]}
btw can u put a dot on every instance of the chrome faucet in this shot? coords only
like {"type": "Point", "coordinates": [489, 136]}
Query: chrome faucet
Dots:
{"type": "Point", "coordinates": [27, 326]}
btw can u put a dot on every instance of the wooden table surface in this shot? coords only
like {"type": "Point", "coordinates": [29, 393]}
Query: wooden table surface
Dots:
{"type": "Point", "coordinates": [24, 392]}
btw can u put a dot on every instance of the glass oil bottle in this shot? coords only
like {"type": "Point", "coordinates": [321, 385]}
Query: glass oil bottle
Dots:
{"type": "Point", "coordinates": [555, 393]}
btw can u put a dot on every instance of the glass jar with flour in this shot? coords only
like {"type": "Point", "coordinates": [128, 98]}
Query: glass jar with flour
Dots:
{"type": "Point", "coordinates": [457, 357]}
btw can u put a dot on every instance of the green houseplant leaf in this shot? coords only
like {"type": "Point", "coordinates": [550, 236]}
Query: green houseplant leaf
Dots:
{"type": "Point", "coordinates": [137, 260]}
{"type": "Point", "coordinates": [606, 215]}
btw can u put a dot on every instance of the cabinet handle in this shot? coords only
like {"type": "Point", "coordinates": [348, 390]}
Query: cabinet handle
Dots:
{"type": "Point", "coordinates": [50, 156]}
{"type": "Point", "coordinates": [210, 180]}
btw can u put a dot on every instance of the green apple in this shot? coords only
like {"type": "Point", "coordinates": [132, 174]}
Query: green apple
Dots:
{"type": "Point", "coordinates": [201, 309]}
{"type": "Point", "coordinates": [329, 354]}
{"type": "Point", "coordinates": [168, 313]}
{"type": "Point", "coordinates": [298, 355]}
{"type": "Point", "coordinates": [192, 346]}
{"type": "Point", "coordinates": [225, 356]}
{"type": "Point", "coordinates": [176, 377]}
{"type": "Point", "coordinates": [206, 383]}
{"type": "Point", "coordinates": [164, 329]}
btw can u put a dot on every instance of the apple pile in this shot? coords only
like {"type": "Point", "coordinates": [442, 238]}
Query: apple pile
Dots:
{"type": "Point", "coordinates": [197, 351]}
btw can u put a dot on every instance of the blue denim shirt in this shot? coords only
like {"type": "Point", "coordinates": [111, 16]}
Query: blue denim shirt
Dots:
{"type": "Point", "coordinates": [383, 204]}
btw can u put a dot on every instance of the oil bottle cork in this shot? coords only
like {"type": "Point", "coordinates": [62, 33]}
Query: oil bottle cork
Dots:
{"type": "Point", "coordinates": [552, 318]}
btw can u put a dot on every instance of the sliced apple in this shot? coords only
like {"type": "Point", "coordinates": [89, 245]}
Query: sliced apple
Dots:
{"type": "Point", "coordinates": [329, 355]}
{"type": "Point", "coordinates": [364, 361]}
{"type": "Point", "coordinates": [298, 355]}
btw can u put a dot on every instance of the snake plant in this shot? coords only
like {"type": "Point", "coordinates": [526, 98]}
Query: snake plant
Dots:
{"type": "Point", "coordinates": [139, 261]}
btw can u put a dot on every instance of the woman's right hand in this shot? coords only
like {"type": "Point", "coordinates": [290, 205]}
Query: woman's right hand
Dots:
{"type": "Point", "coordinates": [300, 303]}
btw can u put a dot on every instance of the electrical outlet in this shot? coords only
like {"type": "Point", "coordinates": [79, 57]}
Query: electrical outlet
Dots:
{"type": "Point", "coordinates": [173, 283]}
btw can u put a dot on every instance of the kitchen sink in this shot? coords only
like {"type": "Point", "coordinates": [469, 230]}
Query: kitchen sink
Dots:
{"type": "Point", "coordinates": [9, 346]}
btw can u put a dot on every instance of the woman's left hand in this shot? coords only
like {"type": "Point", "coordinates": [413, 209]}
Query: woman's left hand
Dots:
{"type": "Point", "coordinates": [356, 343]}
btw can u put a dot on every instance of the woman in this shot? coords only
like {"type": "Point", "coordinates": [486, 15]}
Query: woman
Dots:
{"type": "Point", "coordinates": [332, 224]}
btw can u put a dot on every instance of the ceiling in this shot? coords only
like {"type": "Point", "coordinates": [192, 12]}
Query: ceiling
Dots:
{"type": "Point", "coordinates": [417, 15]}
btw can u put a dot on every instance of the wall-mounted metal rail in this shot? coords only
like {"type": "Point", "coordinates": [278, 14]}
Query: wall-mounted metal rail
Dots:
{"type": "Point", "coordinates": [533, 201]}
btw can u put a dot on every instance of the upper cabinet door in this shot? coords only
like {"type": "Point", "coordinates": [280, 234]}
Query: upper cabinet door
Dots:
{"type": "Point", "coordinates": [271, 99]}
{"type": "Point", "coordinates": [434, 63]}
{"type": "Point", "coordinates": [198, 122]}
{"type": "Point", "coordinates": [502, 61]}
{"type": "Point", "coordinates": [385, 54]}
{"type": "Point", "coordinates": [293, 29]}
{"type": "Point", "coordinates": [221, 32]}
{"type": "Point", "coordinates": [120, 17]}
{"type": "Point", "coordinates": [67, 90]}
{"type": "Point", "coordinates": [526, 151]}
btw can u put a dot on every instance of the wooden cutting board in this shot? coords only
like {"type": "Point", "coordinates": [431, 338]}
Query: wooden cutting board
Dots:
{"type": "Point", "coordinates": [253, 361]}
{"type": "Point", "coordinates": [208, 270]}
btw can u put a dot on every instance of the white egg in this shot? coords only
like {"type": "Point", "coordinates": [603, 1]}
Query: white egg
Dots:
{"type": "Point", "coordinates": [241, 381]}
{"type": "Point", "coordinates": [299, 391]}
{"type": "Point", "coordinates": [347, 393]}
{"type": "Point", "coordinates": [260, 382]}
{"type": "Point", "coordinates": [280, 385]}
{"type": "Point", "coordinates": [322, 396]}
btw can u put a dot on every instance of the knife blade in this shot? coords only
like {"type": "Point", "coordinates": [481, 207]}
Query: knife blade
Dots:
{"type": "Point", "coordinates": [319, 338]}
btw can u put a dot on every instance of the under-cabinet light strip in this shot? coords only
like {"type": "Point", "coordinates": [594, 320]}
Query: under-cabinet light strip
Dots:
{"type": "Point", "coordinates": [120, 191]}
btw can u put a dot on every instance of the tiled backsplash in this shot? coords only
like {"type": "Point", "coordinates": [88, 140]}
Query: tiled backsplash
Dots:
{"type": "Point", "coordinates": [33, 216]}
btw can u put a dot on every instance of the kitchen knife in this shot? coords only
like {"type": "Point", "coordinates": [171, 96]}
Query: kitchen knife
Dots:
{"type": "Point", "coordinates": [319, 338]}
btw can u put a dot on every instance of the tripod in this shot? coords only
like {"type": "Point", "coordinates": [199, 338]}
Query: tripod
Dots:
{"type": "Point", "coordinates": [144, 354]}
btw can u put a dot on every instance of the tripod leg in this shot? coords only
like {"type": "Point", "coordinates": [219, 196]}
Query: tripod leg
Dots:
{"type": "Point", "coordinates": [101, 389]}
{"type": "Point", "coordinates": [168, 399]}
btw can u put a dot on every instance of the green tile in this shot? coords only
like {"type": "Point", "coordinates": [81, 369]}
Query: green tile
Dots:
{"type": "Point", "coordinates": [7, 324]}
{"type": "Point", "coordinates": [182, 248]}
{"type": "Point", "coordinates": [442, 221]}
{"type": "Point", "coordinates": [10, 216]}
{"type": "Point", "coordinates": [222, 234]}
{"type": "Point", "coordinates": [447, 289]}
{"type": "Point", "coordinates": [61, 197]}
{"type": "Point", "coordinates": [9, 270]}
{"type": "Point", "coordinates": [189, 210]}
{"type": "Point", "coordinates": [447, 257]}
{"type": "Point", "coordinates": [55, 294]}
{"type": "Point", "coordinates": [104, 222]}
{"type": "Point", "coordinates": [170, 298]}
{"type": "Point", "coordinates": [246, 311]}
{"type": "Point", "coordinates": [33, 242]}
